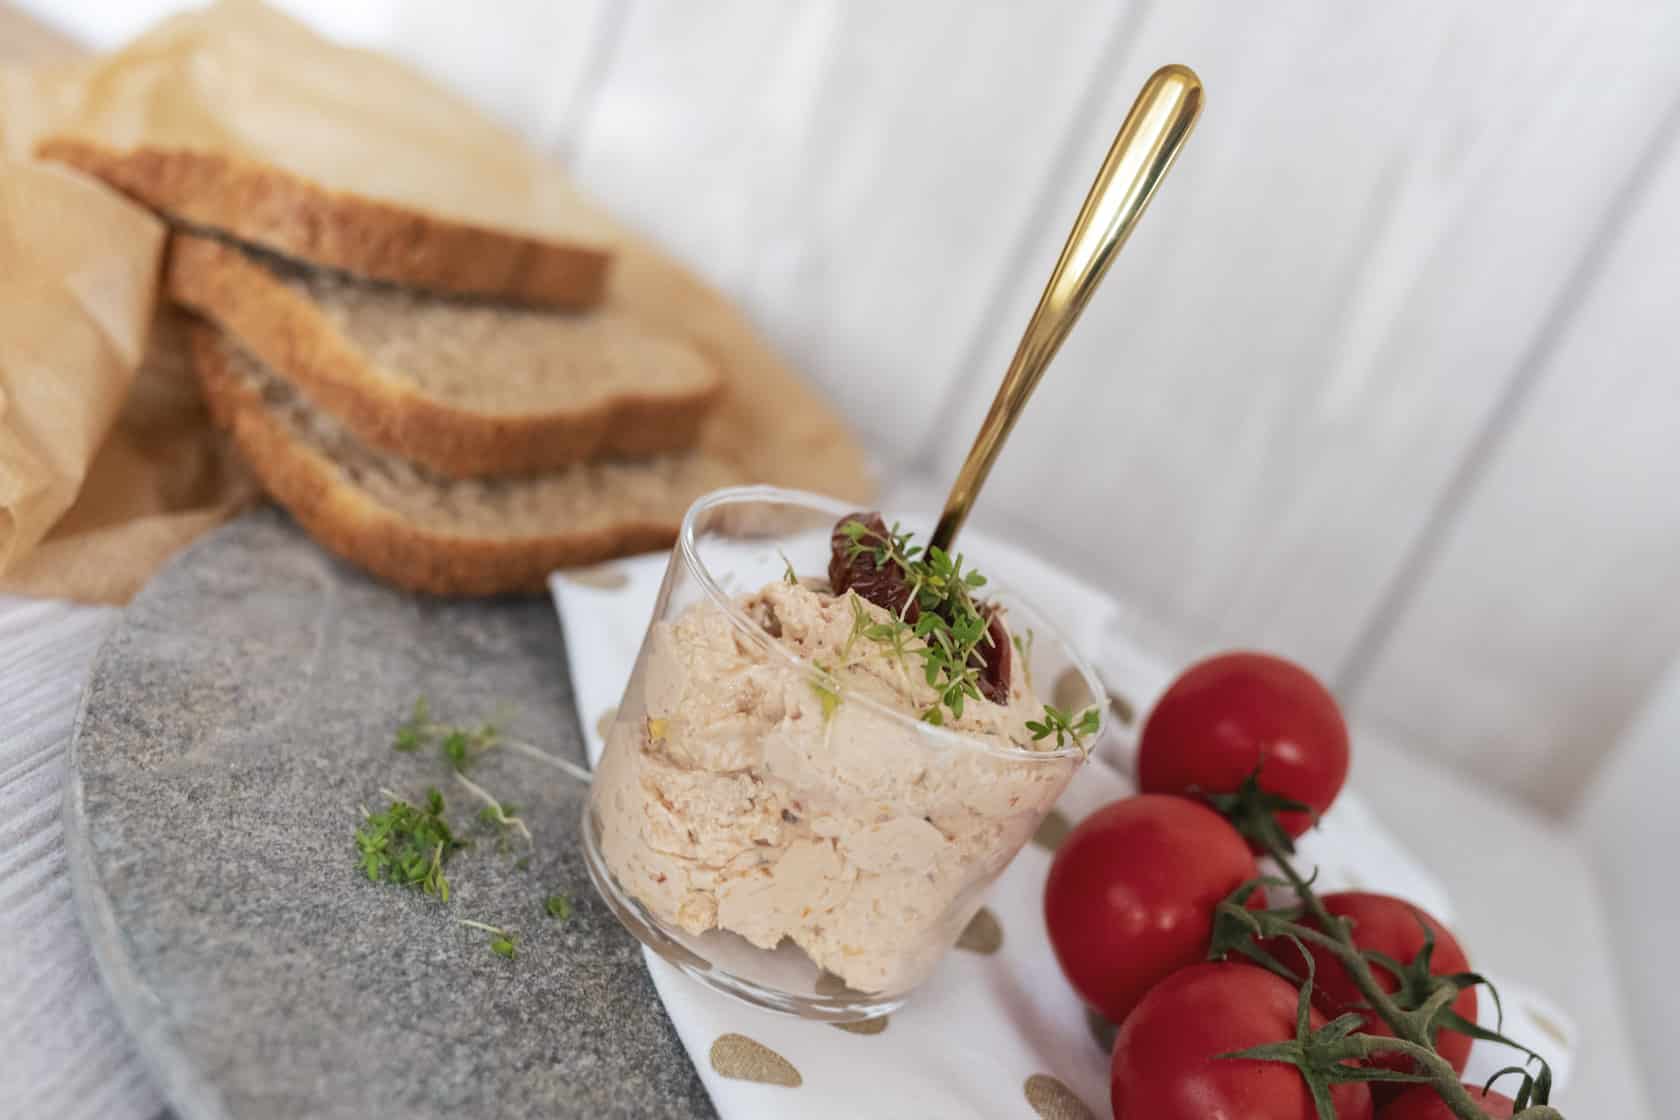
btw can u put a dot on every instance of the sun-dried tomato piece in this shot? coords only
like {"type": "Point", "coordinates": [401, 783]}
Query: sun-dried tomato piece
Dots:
{"type": "Point", "coordinates": [996, 652]}
{"type": "Point", "coordinates": [853, 569]}
{"type": "Point", "coordinates": [852, 566]}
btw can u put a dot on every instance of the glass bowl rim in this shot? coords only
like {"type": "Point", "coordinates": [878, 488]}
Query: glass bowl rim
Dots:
{"type": "Point", "coordinates": [688, 551]}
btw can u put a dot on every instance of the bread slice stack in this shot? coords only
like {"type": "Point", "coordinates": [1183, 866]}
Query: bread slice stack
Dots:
{"type": "Point", "coordinates": [456, 409]}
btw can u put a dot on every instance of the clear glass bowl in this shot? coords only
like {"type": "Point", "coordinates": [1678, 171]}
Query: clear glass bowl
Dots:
{"type": "Point", "coordinates": [798, 838]}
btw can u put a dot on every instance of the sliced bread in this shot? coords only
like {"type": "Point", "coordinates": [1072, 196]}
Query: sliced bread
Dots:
{"type": "Point", "coordinates": [286, 213]}
{"type": "Point", "coordinates": [412, 528]}
{"type": "Point", "coordinates": [463, 387]}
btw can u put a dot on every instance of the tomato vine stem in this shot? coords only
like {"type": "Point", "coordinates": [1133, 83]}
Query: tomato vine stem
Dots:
{"type": "Point", "coordinates": [1411, 1028]}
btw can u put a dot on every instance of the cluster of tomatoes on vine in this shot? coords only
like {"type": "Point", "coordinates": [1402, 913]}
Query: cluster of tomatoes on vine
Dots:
{"type": "Point", "coordinates": [1241, 755]}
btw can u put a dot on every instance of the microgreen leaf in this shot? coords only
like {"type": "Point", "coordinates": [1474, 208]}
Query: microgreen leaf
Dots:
{"type": "Point", "coordinates": [559, 906]}
{"type": "Point", "coordinates": [951, 624]}
{"type": "Point", "coordinates": [496, 815]}
{"type": "Point", "coordinates": [460, 745]}
{"type": "Point", "coordinates": [829, 698]}
{"type": "Point", "coordinates": [1065, 727]}
{"type": "Point", "coordinates": [408, 845]}
{"type": "Point", "coordinates": [504, 943]}
{"type": "Point", "coordinates": [860, 623]}
{"type": "Point", "coordinates": [413, 732]}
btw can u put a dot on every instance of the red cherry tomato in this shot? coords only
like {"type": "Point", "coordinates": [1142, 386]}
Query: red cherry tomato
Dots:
{"type": "Point", "coordinates": [1232, 713]}
{"type": "Point", "coordinates": [1388, 925]}
{"type": "Point", "coordinates": [1421, 1102]}
{"type": "Point", "coordinates": [1131, 894]}
{"type": "Point", "coordinates": [1166, 1063]}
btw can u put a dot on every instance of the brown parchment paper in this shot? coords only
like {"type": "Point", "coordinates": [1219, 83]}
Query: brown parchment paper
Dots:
{"type": "Point", "coordinates": [108, 464]}
{"type": "Point", "coordinates": [78, 268]}
{"type": "Point", "coordinates": [162, 476]}
{"type": "Point", "coordinates": [240, 79]}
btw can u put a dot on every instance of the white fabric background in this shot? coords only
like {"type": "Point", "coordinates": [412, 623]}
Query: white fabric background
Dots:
{"type": "Point", "coordinates": [63, 1053]}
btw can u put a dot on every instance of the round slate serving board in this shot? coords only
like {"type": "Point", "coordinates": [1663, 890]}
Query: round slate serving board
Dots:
{"type": "Point", "coordinates": [236, 719]}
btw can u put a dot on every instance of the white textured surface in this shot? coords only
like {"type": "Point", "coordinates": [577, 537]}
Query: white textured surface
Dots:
{"type": "Point", "coordinates": [1630, 827]}
{"type": "Point", "coordinates": [1549, 609]}
{"type": "Point", "coordinates": [851, 173]}
{"type": "Point", "coordinates": [1381, 211]}
{"type": "Point", "coordinates": [63, 1053]}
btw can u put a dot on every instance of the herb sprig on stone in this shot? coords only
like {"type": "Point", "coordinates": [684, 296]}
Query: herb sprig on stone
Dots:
{"type": "Point", "coordinates": [461, 746]}
{"type": "Point", "coordinates": [408, 844]}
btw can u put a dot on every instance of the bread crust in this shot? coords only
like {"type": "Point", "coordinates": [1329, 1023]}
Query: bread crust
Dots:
{"type": "Point", "coordinates": [353, 526]}
{"type": "Point", "coordinates": [289, 333]}
{"type": "Point", "coordinates": [295, 217]}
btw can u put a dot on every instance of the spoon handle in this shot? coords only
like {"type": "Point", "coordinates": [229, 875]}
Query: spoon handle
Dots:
{"type": "Point", "coordinates": [1157, 126]}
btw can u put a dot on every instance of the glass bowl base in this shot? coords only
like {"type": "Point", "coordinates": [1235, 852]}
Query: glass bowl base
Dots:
{"type": "Point", "coordinates": [782, 979]}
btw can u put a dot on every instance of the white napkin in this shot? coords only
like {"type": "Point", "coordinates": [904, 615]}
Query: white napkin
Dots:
{"type": "Point", "coordinates": [989, 1035]}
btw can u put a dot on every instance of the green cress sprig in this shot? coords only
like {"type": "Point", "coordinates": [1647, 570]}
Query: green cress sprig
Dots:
{"type": "Point", "coordinates": [951, 632]}
{"type": "Point", "coordinates": [504, 943]}
{"type": "Point", "coordinates": [408, 844]}
{"type": "Point", "coordinates": [949, 623]}
{"type": "Point", "coordinates": [461, 745]}
{"type": "Point", "coordinates": [1064, 726]}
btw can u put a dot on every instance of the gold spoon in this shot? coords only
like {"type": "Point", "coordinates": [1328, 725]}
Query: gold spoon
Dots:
{"type": "Point", "coordinates": [1157, 126]}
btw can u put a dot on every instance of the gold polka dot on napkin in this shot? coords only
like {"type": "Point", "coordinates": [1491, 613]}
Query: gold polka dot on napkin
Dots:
{"type": "Point", "coordinates": [864, 1026]}
{"type": "Point", "coordinates": [604, 724]}
{"type": "Point", "coordinates": [1054, 1101]}
{"type": "Point", "coordinates": [1121, 708]}
{"type": "Point", "coordinates": [1545, 1023]}
{"type": "Point", "coordinates": [983, 935]}
{"type": "Point", "coordinates": [829, 984]}
{"type": "Point", "coordinates": [1069, 693]}
{"type": "Point", "coordinates": [1052, 830]}
{"type": "Point", "coordinates": [737, 1056]}
{"type": "Point", "coordinates": [606, 577]}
